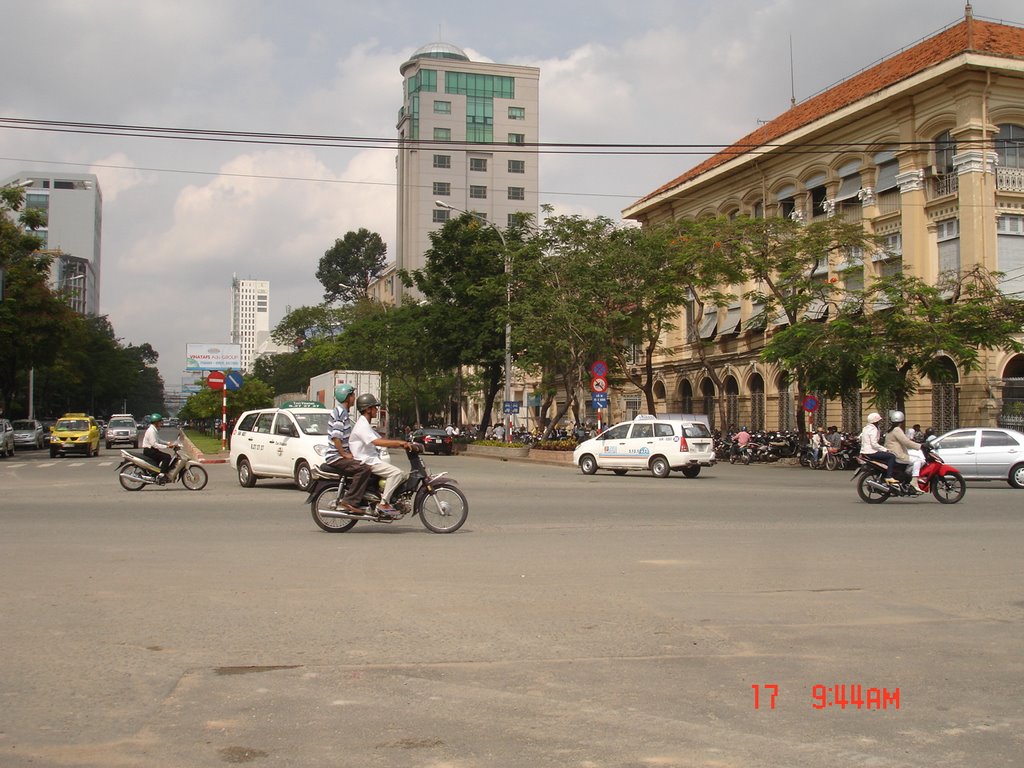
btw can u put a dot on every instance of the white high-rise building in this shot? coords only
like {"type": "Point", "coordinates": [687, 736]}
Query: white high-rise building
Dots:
{"type": "Point", "coordinates": [250, 317]}
{"type": "Point", "coordinates": [73, 206]}
{"type": "Point", "coordinates": [468, 135]}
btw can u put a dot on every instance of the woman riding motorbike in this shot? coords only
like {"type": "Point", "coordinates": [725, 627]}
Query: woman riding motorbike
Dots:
{"type": "Point", "coordinates": [904, 449]}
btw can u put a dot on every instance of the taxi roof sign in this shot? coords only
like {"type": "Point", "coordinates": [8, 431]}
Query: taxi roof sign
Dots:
{"type": "Point", "coordinates": [304, 404]}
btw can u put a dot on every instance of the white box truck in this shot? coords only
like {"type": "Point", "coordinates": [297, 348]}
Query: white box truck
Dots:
{"type": "Point", "coordinates": [321, 386]}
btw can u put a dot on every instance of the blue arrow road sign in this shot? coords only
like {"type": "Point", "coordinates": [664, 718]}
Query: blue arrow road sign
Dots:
{"type": "Point", "coordinates": [233, 381]}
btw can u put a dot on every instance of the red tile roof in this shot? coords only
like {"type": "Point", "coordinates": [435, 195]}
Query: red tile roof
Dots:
{"type": "Point", "coordinates": [970, 35]}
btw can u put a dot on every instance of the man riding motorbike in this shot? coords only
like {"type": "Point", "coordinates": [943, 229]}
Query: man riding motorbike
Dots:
{"type": "Point", "coordinates": [338, 452]}
{"type": "Point", "coordinates": [364, 442]}
{"type": "Point", "coordinates": [155, 450]}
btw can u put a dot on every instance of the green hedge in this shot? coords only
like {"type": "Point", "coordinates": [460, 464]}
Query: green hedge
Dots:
{"type": "Point", "coordinates": [555, 445]}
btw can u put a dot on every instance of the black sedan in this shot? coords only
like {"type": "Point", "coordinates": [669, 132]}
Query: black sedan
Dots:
{"type": "Point", "coordinates": [433, 440]}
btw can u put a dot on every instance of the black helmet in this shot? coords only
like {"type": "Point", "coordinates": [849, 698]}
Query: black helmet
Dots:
{"type": "Point", "coordinates": [367, 401]}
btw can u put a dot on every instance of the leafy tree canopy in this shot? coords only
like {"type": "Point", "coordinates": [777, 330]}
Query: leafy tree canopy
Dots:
{"type": "Point", "coordinates": [350, 265]}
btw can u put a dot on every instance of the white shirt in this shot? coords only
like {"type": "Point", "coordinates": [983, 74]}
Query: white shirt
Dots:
{"type": "Point", "coordinates": [152, 439]}
{"type": "Point", "coordinates": [869, 440]}
{"type": "Point", "coordinates": [360, 442]}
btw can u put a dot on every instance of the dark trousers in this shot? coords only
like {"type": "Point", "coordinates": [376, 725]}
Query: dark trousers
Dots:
{"type": "Point", "coordinates": [887, 458]}
{"type": "Point", "coordinates": [158, 457]}
{"type": "Point", "coordinates": [360, 474]}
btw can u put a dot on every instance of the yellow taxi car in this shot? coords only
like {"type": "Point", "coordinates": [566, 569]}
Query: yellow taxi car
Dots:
{"type": "Point", "coordinates": [75, 432]}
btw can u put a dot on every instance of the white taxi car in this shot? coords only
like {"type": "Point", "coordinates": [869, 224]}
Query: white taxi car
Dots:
{"type": "Point", "coordinates": [655, 443]}
{"type": "Point", "coordinates": [285, 442]}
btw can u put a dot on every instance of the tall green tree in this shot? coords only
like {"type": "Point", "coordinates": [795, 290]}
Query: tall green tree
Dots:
{"type": "Point", "coordinates": [464, 284]}
{"type": "Point", "coordinates": [31, 316]}
{"type": "Point", "coordinates": [565, 294]}
{"type": "Point", "coordinates": [350, 265]}
{"type": "Point", "coordinates": [898, 329]}
{"type": "Point", "coordinates": [396, 342]}
{"type": "Point", "coordinates": [788, 263]}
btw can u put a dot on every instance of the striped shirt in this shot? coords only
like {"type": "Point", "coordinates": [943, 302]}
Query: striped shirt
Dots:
{"type": "Point", "coordinates": [339, 427]}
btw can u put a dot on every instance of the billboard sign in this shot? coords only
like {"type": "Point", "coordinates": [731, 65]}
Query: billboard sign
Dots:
{"type": "Point", "coordinates": [213, 357]}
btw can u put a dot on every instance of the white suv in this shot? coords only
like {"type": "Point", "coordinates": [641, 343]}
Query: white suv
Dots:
{"type": "Point", "coordinates": [656, 443]}
{"type": "Point", "coordinates": [288, 442]}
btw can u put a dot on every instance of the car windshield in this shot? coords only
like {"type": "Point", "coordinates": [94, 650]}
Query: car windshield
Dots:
{"type": "Point", "coordinates": [72, 425]}
{"type": "Point", "coordinates": [31, 425]}
{"type": "Point", "coordinates": [121, 424]}
{"type": "Point", "coordinates": [697, 430]}
{"type": "Point", "coordinates": [313, 423]}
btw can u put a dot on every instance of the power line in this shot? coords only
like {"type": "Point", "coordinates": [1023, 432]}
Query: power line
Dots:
{"type": "Point", "coordinates": [395, 143]}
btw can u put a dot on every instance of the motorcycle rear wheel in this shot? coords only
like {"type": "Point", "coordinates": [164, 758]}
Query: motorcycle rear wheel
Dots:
{"type": "Point", "coordinates": [131, 478]}
{"type": "Point", "coordinates": [949, 489]}
{"type": "Point", "coordinates": [867, 493]}
{"type": "Point", "coordinates": [194, 478]}
{"type": "Point", "coordinates": [444, 510]}
{"type": "Point", "coordinates": [324, 501]}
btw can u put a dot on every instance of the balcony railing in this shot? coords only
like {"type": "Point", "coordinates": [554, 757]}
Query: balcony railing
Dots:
{"type": "Point", "coordinates": [1010, 179]}
{"type": "Point", "coordinates": [947, 184]}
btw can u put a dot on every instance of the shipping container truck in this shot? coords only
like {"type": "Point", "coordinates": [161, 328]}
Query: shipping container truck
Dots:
{"type": "Point", "coordinates": [321, 386]}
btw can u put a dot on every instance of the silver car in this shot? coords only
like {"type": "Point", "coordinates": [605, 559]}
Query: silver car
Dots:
{"type": "Point", "coordinates": [28, 433]}
{"type": "Point", "coordinates": [985, 453]}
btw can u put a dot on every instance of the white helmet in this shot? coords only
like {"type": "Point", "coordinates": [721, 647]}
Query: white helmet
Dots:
{"type": "Point", "coordinates": [874, 417]}
{"type": "Point", "coordinates": [896, 417]}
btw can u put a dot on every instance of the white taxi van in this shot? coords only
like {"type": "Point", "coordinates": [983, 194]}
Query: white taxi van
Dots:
{"type": "Point", "coordinates": [285, 442]}
{"type": "Point", "coordinates": [658, 444]}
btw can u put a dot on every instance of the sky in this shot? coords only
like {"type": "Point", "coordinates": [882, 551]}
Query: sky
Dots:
{"type": "Point", "coordinates": [180, 218]}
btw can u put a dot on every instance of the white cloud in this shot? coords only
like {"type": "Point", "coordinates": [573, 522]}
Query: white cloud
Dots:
{"type": "Point", "coordinates": [659, 71]}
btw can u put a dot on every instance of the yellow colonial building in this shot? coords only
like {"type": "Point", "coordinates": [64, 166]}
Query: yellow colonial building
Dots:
{"type": "Point", "coordinates": [926, 149]}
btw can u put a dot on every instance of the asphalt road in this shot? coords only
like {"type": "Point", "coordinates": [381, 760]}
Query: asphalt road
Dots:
{"type": "Point", "coordinates": [574, 621]}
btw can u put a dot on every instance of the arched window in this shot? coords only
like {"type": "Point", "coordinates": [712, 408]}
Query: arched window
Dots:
{"type": "Point", "coordinates": [1012, 416]}
{"type": "Point", "coordinates": [787, 409]}
{"type": "Point", "coordinates": [732, 403]}
{"type": "Point", "coordinates": [707, 393]}
{"type": "Point", "coordinates": [756, 403]}
{"type": "Point", "coordinates": [943, 150]}
{"type": "Point", "coordinates": [945, 396]}
{"type": "Point", "coordinates": [1010, 146]}
{"type": "Point", "coordinates": [686, 396]}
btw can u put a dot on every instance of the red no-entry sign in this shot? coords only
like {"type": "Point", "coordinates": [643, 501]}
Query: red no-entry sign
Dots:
{"type": "Point", "coordinates": [215, 380]}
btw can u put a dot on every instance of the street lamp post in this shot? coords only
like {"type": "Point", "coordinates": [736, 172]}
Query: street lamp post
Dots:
{"type": "Point", "coordinates": [508, 307]}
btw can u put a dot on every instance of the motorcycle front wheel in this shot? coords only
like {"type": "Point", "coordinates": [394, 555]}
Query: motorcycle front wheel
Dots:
{"type": "Point", "coordinates": [869, 494]}
{"type": "Point", "coordinates": [324, 502]}
{"type": "Point", "coordinates": [444, 510]}
{"type": "Point", "coordinates": [194, 478]}
{"type": "Point", "coordinates": [949, 489]}
{"type": "Point", "coordinates": [131, 478]}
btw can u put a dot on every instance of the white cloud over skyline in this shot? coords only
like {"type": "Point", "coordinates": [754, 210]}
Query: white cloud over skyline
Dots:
{"type": "Point", "coordinates": [181, 217]}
